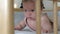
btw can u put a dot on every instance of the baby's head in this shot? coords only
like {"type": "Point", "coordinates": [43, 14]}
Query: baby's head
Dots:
{"type": "Point", "coordinates": [29, 8]}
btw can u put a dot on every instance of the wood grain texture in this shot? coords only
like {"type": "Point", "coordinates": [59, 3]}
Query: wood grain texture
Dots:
{"type": "Point", "coordinates": [6, 19]}
{"type": "Point", "coordinates": [21, 10]}
{"type": "Point", "coordinates": [38, 16]}
{"type": "Point", "coordinates": [55, 17]}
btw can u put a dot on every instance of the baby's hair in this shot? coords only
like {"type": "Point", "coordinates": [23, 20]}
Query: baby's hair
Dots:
{"type": "Point", "coordinates": [42, 5]}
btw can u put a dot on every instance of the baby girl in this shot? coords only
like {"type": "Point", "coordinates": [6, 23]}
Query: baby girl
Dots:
{"type": "Point", "coordinates": [30, 18]}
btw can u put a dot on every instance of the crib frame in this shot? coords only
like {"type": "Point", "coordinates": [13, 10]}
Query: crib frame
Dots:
{"type": "Point", "coordinates": [7, 19]}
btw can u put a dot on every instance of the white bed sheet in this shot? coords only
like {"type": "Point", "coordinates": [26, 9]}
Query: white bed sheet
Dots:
{"type": "Point", "coordinates": [24, 32]}
{"type": "Point", "coordinates": [30, 32]}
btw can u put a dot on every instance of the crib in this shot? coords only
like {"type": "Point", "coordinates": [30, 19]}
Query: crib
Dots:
{"type": "Point", "coordinates": [7, 20]}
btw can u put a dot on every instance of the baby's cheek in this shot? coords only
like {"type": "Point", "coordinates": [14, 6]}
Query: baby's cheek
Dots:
{"type": "Point", "coordinates": [34, 15]}
{"type": "Point", "coordinates": [26, 15]}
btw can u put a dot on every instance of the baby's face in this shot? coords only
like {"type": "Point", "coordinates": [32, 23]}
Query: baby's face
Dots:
{"type": "Point", "coordinates": [29, 8]}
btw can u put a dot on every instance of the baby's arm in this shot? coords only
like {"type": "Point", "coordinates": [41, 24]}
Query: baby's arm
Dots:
{"type": "Point", "coordinates": [45, 23]}
{"type": "Point", "coordinates": [20, 26]}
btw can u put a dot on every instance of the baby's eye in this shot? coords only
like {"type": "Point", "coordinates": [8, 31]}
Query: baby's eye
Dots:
{"type": "Point", "coordinates": [32, 10]}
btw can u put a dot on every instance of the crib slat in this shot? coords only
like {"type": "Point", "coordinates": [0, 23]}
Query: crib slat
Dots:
{"type": "Point", "coordinates": [55, 17]}
{"type": "Point", "coordinates": [21, 10]}
{"type": "Point", "coordinates": [38, 17]}
{"type": "Point", "coordinates": [57, 0]}
{"type": "Point", "coordinates": [6, 19]}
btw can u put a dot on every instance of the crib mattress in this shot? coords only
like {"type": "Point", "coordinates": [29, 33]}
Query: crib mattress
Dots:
{"type": "Point", "coordinates": [30, 32]}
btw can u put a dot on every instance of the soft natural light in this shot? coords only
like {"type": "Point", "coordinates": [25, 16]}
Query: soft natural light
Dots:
{"type": "Point", "coordinates": [15, 5]}
{"type": "Point", "coordinates": [58, 4]}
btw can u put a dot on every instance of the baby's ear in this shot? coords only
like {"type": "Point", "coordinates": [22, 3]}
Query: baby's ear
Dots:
{"type": "Point", "coordinates": [21, 5]}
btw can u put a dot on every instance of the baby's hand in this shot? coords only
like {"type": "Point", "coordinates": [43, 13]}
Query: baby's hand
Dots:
{"type": "Point", "coordinates": [17, 27]}
{"type": "Point", "coordinates": [20, 26]}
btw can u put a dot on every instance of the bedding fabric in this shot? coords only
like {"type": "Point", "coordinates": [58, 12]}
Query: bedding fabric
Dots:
{"type": "Point", "coordinates": [18, 16]}
{"type": "Point", "coordinates": [30, 32]}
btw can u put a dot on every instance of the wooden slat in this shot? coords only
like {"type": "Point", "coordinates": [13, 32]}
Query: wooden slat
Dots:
{"type": "Point", "coordinates": [18, 9]}
{"type": "Point", "coordinates": [38, 16]}
{"type": "Point", "coordinates": [55, 17]}
{"type": "Point", "coordinates": [6, 19]}
{"type": "Point", "coordinates": [57, 0]}
{"type": "Point", "coordinates": [58, 8]}
{"type": "Point", "coordinates": [21, 10]}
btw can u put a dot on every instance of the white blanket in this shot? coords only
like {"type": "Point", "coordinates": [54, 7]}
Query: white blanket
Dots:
{"type": "Point", "coordinates": [24, 32]}
{"type": "Point", "coordinates": [30, 32]}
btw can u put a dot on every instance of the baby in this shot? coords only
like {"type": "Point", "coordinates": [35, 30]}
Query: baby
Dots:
{"type": "Point", "coordinates": [30, 18]}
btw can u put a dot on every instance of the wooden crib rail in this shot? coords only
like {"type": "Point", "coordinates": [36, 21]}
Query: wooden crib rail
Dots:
{"type": "Point", "coordinates": [6, 17]}
{"type": "Point", "coordinates": [21, 10]}
{"type": "Point", "coordinates": [38, 16]}
{"type": "Point", "coordinates": [55, 17]}
{"type": "Point", "coordinates": [44, 10]}
{"type": "Point", "coordinates": [57, 0]}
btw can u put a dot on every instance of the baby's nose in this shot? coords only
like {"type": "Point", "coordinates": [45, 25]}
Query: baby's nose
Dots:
{"type": "Point", "coordinates": [29, 12]}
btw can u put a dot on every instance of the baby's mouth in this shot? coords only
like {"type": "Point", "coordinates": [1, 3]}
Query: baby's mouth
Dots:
{"type": "Point", "coordinates": [32, 18]}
